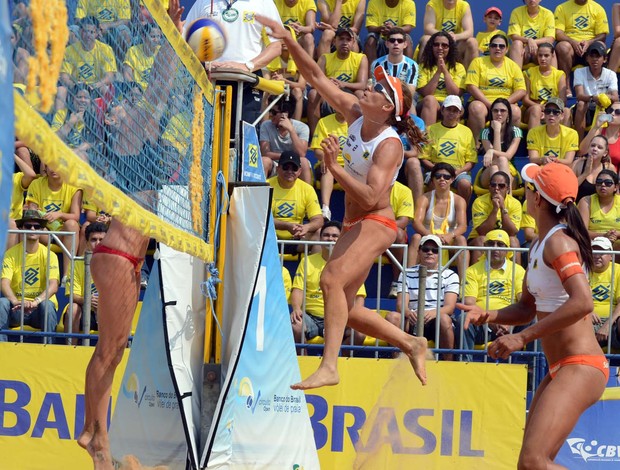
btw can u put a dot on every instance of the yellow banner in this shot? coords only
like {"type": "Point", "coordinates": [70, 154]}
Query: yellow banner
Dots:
{"type": "Point", "coordinates": [469, 416]}
{"type": "Point", "coordinates": [42, 405]}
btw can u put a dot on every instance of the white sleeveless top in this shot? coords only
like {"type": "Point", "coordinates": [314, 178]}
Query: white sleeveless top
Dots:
{"type": "Point", "coordinates": [358, 154]}
{"type": "Point", "coordinates": [430, 215]}
{"type": "Point", "coordinates": [543, 282]}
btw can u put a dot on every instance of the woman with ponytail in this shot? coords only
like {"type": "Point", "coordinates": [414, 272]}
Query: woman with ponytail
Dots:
{"type": "Point", "coordinates": [559, 295]}
{"type": "Point", "coordinates": [373, 154]}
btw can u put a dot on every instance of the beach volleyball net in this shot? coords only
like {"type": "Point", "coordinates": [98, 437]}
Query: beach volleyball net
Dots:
{"type": "Point", "coordinates": [117, 104]}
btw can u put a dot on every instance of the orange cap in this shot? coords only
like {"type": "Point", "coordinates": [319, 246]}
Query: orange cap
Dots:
{"type": "Point", "coordinates": [556, 182]}
{"type": "Point", "coordinates": [397, 89]}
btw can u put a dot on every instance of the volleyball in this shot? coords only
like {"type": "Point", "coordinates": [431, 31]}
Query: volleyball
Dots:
{"type": "Point", "coordinates": [206, 38]}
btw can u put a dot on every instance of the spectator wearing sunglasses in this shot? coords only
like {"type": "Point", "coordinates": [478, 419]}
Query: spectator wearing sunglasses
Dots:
{"type": "Point", "coordinates": [381, 17]}
{"type": "Point", "coordinates": [601, 211]}
{"type": "Point", "coordinates": [491, 77]}
{"type": "Point", "coordinates": [440, 76]}
{"type": "Point", "coordinates": [396, 63]}
{"type": "Point", "coordinates": [442, 290]}
{"type": "Point", "coordinates": [596, 87]}
{"type": "Point", "coordinates": [589, 165]}
{"type": "Point", "coordinates": [492, 19]}
{"type": "Point", "coordinates": [37, 300]}
{"type": "Point", "coordinates": [608, 126]}
{"type": "Point", "coordinates": [552, 142]}
{"type": "Point", "coordinates": [490, 284]}
{"type": "Point", "coordinates": [453, 143]}
{"type": "Point", "coordinates": [495, 210]}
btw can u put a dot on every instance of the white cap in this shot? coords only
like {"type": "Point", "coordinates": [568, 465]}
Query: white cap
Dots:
{"type": "Point", "coordinates": [602, 242]}
{"type": "Point", "coordinates": [430, 238]}
{"type": "Point", "coordinates": [452, 100]}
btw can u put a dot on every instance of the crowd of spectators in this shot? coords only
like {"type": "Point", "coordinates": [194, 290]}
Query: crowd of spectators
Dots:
{"type": "Point", "coordinates": [542, 90]}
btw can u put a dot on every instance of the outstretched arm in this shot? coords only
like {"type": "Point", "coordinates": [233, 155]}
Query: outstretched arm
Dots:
{"type": "Point", "coordinates": [344, 102]}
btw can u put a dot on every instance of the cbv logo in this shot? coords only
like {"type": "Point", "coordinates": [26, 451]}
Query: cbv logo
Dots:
{"type": "Point", "coordinates": [529, 33]}
{"type": "Point", "coordinates": [497, 81]}
{"type": "Point", "coordinates": [286, 210]}
{"type": "Point", "coordinates": [544, 93]}
{"type": "Point", "coordinates": [448, 26]}
{"type": "Point", "coordinates": [447, 149]}
{"type": "Point", "coordinates": [600, 293]}
{"type": "Point", "coordinates": [31, 276]}
{"type": "Point", "coordinates": [344, 77]}
{"type": "Point", "coordinates": [496, 288]}
{"type": "Point", "coordinates": [582, 22]}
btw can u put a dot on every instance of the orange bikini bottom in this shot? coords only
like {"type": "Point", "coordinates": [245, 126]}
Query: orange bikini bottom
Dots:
{"type": "Point", "coordinates": [599, 362]}
{"type": "Point", "coordinates": [387, 221]}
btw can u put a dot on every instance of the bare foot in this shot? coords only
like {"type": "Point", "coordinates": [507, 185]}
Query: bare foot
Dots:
{"type": "Point", "coordinates": [417, 357]}
{"type": "Point", "coordinates": [322, 377]}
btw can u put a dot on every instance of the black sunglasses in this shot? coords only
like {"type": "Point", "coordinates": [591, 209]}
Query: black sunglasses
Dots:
{"type": "Point", "coordinates": [428, 249]}
{"type": "Point", "coordinates": [290, 167]}
{"type": "Point", "coordinates": [396, 40]}
{"type": "Point", "coordinates": [552, 112]}
{"type": "Point", "coordinates": [442, 176]}
{"type": "Point", "coordinates": [30, 226]}
{"type": "Point", "coordinates": [604, 182]}
{"type": "Point", "coordinates": [498, 185]}
{"type": "Point", "coordinates": [443, 45]}
{"type": "Point", "coordinates": [616, 111]}
{"type": "Point", "coordinates": [497, 45]}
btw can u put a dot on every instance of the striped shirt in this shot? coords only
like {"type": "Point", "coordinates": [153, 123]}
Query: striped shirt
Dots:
{"type": "Point", "coordinates": [407, 70]}
{"type": "Point", "coordinates": [450, 283]}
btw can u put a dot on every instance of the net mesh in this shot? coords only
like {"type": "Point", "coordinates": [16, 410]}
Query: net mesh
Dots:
{"type": "Point", "coordinates": [117, 104]}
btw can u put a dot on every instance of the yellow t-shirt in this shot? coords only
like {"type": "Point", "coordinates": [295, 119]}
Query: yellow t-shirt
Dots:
{"type": "Point", "coordinates": [88, 66]}
{"type": "Point", "coordinates": [600, 221]}
{"type": "Point", "coordinates": [482, 207]}
{"type": "Point", "coordinates": [40, 193]}
{"type": "Point", "coordinates": [458, 75]}
{"type": "Point", "coordinates": [345, 70]}
{"type": "Point", "coordinates": [544, 87]}
{"type": "Point", "coordinates": [294, 204]}
{"type": "Point", "coordinates": [141, 64]}
{"type": "Point", "coordinates": [455, 146]}
{"type": "Point", "coordinates": [296, 13]}
{"type": "Point", "coordinates": [541, 26]}
{"type": "Point", "coordinates": [600, 283]}
{"type": "Point", "coordinates": [401, 200]}
{"type": "Point", "coordinates": [289, 66]}
{"type": "Point", "coordinates": [314, 295]}
{"type": "Point", "coordinates": [288, 284]}
{"type": "Point", "coordinates": [75, 137]}
{"type": "Point", "coordinates": [17, 197]}
{"type": "Point", "coordinates": [483, 38]}
{"type": "Point", "coordinates": [527, 221]}
{"type": "Point", "coordinates": [178, 132]}
{"type": "Point", "coordinates": [501, 290]}
{"type": "Point", "coordinates": [566, 141]}
{"type": "Point", "coordinates": [449, 20]}
{"type": "Point", "coordinates": [78, 281]}
{"type": "Point", "coordinates": [581, 22]}
{"type": "Point", "coordinates": [495, 82]}
{"type": "Point", "coordinates": [330, 125]}
{"type": "Point", "coordinates": [35, 269]}
{"type": "Point", "coordinates": [105, 11]}
{"type": "Point", "coordinates": [379, 13]}
{"type": "Point", "coordinates": [347, 12]}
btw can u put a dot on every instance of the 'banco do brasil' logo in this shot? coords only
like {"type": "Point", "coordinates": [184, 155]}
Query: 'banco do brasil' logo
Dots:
{"type": "Point", "coordinates": [286, 210]}
{"type": "Point", "coordinates": [529, 33]}
{"type": "Point", "coordinates": [582, 22]}
{"type": "Point", "coordinates": [496, 288]}
{"type": "Point", "coordinates": [86, 71]}
{"type": "Point", "coordinates": [552, 153]}
{"type": "Point", "coordinates": [544, 93]}
{"type": "Point", "coordinates": [600, 293]}
{"type": "Point", "coordinates": [447, 148]}
{"type": "Point", "coordinates": [31, 276]}
{"type": "Point", "coordinates": [344, 77]}
{"type": "Point", "coordinates": [52, 207]}
{"type": "Point", "coordinates": [253, 154]}
{"type": "Point", "coordinates": [448, 26]}
{"type": "Point", "coordinates": [497, 81]}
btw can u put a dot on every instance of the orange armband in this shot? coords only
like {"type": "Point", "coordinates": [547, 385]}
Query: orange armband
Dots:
{"type": "Point", "coordinates": [567, 265]}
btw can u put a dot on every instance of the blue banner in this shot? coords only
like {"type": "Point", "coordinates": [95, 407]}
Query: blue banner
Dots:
{"type": "Point", "coordinates": [252, 169]}
{"type": "Point", "coordinates": [7, 131]}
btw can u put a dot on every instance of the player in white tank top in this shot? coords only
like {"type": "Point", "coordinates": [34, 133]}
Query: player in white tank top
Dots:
{"type": "Point", "coordinates": [558, 294]}
{"type": "Point", "coordinates": [373, 156]}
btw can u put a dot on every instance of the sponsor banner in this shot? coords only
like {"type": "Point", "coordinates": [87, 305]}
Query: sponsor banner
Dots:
{"type": "Point", "coordinates": [42, 405]}
{"type": "Point", "coordinates": [594, 443]}
{"type": "Point", "coordinates": [7, 133]}
{"type": "Point", "coordinates": [147, 422]}
{"type": "Point", "coordinates": [252, 170]}
{"type": "Point", "coordinates": [469, 416]}
{"type": "Point", "coordinates": [262, 423]}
